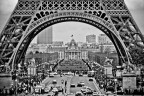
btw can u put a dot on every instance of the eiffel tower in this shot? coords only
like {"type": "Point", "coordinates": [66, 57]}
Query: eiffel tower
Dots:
{"type": "Point", "coordinates": [32, 16]}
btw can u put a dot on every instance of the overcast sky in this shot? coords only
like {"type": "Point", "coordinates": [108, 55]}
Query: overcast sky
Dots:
{"type": "Point", "coordinates": [63, 31]}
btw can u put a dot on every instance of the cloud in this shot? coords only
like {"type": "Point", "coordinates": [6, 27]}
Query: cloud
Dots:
{"type": "Point", "coordinates": [135, 4]}
{"type": "Point", "coordinates": [7, 6]}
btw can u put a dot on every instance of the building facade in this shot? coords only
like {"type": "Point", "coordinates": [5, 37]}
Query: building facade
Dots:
{"type": "Point", "coordinates": [75, 52]}
{"type": "Point", "coordinates": [71, 51]}
{"type": "Point", "coordinates": [41, 57]}
{"type": "Point", "coordinates": [104, 39]}
{"type": "Point", "coordinates": [101, 57]}
{"type": "Point", "coordinates": [57, 43]}
{"type": "Point", "coordinates": [109, 48]}
{"type": "Point", "coordinates": [91, 38]}
{"type": "Point", "coordinates": [41, 48]}
{"type": "Point", "coordinates": [46, 36]}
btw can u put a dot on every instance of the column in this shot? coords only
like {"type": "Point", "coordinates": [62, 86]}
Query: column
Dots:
{"type": "Point", "coordinates": [79, 55]}
{"type": "Point", "coordinates": [70, 55]}
{"type": "Point", "coordinates": [64, 55]}
{"type": "Point", "coordinates": [74, 56]}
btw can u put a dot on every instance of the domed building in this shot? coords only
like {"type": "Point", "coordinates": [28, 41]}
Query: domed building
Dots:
{"type": "Point", "coordinates": [72, 45]}
{"type": "Point", "coordinates": [73, 56]}
{"type": "Point", "coordinates": [74, 52]}
{"type": "Point", "coordinates": [70, 51]}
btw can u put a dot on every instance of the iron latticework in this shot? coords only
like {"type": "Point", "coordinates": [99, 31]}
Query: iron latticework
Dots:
{"type": "Point", "coordinates": [32, 16]}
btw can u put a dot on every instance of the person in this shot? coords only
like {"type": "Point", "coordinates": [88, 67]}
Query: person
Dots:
{"type": "Point", "coordinates": [11, 90]}
{"type": "Point", "coordinates": [74, 73]}
{"type": "Point", "coordinates": [60, 73]}
{"type": "Point", "coordinates": [62, 91]}
{"type": "Point", "coordinates": [0, 91]}
{"type": "Point", "coordinates": [65, 83]}
{"type": "Point", "coordinates": [51, 88]}
{"type": "Point", "coordinates": [65, 89]}
{"type": "Point", "coordinates": [125, 91]}
{"type": "Point", "coordinates": [142, 89]}
{"type": "Point", "coordinates": [62, 81]}
{"type": "Point", "coordinates": [135, 92]}
{"type": "Point", "coordinates": [56, 93]}
{"type": "Point", "coordinates": [4, 91]}
{"type": "Point", "coordinates": [26, 92]}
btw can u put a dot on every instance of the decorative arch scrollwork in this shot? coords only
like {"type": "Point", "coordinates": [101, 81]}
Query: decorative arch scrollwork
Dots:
{"type": "Point", "coordinates": [102, 21]}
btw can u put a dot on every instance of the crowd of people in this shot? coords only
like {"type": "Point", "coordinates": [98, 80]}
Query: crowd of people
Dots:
{"type": "Point", "coordinates": [107, 83]}
{"type": "Point", "coordinates": [21, 86]}
{"type": "Point", "coordinates": [17, 89]}
{"type": "Point", "coordinates": [130, 91]}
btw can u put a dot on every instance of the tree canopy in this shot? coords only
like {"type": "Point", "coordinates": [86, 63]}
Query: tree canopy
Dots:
{"type": "Point", "coordinates": [137, 55]}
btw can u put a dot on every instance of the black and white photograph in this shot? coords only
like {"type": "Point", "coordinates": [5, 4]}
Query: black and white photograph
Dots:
{"type": "Point", "coordinates": [71, 47]}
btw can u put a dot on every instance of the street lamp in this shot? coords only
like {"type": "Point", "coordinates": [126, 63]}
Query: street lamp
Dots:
{"type": "Point", "coordinates": [16, 86]}
{"type": "Point", "coordinates": [105, 76]}
{"type": "Point", "coordinates": [115, 80]}
{"type": "Point", "coordinates": [142, 75]}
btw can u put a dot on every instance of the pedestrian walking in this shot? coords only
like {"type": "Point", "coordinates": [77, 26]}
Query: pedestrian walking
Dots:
{"type": "Point", "coordinates": [65, 83]}
{"type": "Point", "coordinates": [62, 91]}
{"type": "Point", "coordinates": [62, 81]}
{"type": "Point", "coordinates": [26, 92]}
{"type": "Point", "coordinates": [65, 89]}
{"type": "Point", "coordinates": [4, 91]}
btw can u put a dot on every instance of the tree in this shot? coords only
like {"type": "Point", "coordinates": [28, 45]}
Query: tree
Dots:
{"type": "Point", "coordinates": [37, 52]}
{"type": "Point", "coordinates": [31, 53]}
{"type": "Point", "coordinates": [107, 50]}
{"type": "Point", "coordinates": [101, 48]}
{"type": "Point", "coordinates": [137, 55]}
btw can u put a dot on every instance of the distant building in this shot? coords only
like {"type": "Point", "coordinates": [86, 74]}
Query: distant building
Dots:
{"type": "Point", "coordinates": [74, 52]}
{"type": "Point", "coordinates": [71, 51]}
{"type": "Point", "coordinates": [80, 44]}
{"type": "Point", "coordinates": [57, 43]}
{"type": "Point", "coordinates": [90, 47]}
{"type": "Point", "coordinates": [30, 48]}
{"type": "Point", "coordinates": [41, 57]}
{"type": "Point", "coordinates": [91, 38]}
{"type": "Point", "coordinates": [101, 57]}
{"type": "Point", "coordinates": [45, 37]}
{"type": "Point", "coordinates": [104, 39]}
{"type": "Point", "coordinates": [107, 48]}
{"type": "Point", "coordinates": [53, 49]}
{"type": "Point", "coordinates": [41, 48]}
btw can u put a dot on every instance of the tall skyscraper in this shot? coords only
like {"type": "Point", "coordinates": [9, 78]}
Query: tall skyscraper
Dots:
{"type": "Point", "coordinates": [91, 38]}
{"type": "Point", "coordinates": [46, 36]}
{"type": "Point", "coordinates": [104, 39]}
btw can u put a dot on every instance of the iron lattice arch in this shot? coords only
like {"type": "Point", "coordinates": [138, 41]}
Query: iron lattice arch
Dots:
{"type": "Point", "coordinates": [32, 16]}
